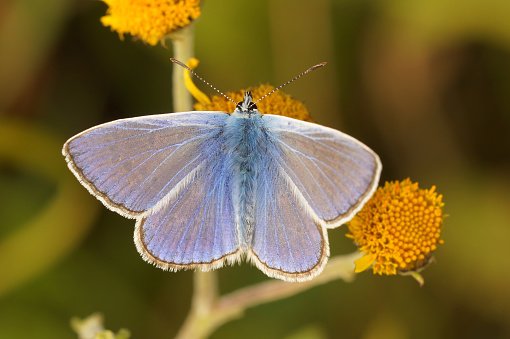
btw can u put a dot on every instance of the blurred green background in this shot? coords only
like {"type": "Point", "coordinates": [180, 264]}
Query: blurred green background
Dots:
{"type": "Point", "coordinates": [426, 84]}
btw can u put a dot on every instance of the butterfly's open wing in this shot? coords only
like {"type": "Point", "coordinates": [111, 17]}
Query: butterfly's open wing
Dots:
{"type": "Point", "coordinates": [195, 226]}
{"type": "Point", "coordinates": [334, 173]}
{"type": "Point", "coordinates": [168, 171]}
{"type": "Point", "coordinates": [288, 242]}
{"type": "Point", "coordinates": [131, 164]}
{"type": "Point", "coordinates": [312, 177]}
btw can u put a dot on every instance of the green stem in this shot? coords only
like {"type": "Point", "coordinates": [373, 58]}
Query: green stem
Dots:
{"type": "Point", "coordinates": [200, 322]}
{"type": "Point", "coordinates": [208, 312]}
{"type": "Point", "coordinates": [182, 41]}
{"type": "Point", "coordinates": [338, 267]}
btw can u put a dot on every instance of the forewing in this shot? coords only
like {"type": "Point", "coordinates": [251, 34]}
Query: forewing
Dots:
{"type": "Point", "coordinates": [287, 242]}
{"type": "Point", "coordinates": [334, 173]}
{"type": "Point", "coordinates": [131, 164]}
{"type": "Point", "coordinates": [195, 226]}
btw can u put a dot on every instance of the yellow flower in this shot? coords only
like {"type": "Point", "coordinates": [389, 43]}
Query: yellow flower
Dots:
{"type": "Point", "coordinates": [149, 20]}
{"type": "Point", "coordinates": [398, 228]}
{"type": "Point", "coordinates": [277, 103]}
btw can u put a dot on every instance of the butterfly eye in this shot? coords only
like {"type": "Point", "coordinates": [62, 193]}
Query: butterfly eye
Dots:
{"type": "Point", "coordinates": [251, 106]}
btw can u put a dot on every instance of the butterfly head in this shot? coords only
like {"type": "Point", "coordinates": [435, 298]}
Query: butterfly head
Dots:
{"type": "Point", "coordinates": [247, 104]}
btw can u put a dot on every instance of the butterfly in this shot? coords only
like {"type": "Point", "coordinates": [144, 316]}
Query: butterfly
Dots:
{"type": "Point", "coordinates": [208, 188]}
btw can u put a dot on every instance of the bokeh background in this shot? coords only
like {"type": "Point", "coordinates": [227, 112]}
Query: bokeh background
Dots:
{"type": "Point", "coordinates": [425, 83]}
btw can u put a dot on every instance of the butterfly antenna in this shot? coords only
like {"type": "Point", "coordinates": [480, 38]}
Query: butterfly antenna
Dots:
{"type": "Point", "coordinates": [198, 76]}
{"type": "Point", "coordinates": [291, 80]}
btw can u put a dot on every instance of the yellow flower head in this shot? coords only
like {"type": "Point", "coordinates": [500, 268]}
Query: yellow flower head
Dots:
{"type": "Point", "coordinates": [149, 20]}
{"type": "Point", "coordinates": [398, 228]}
{"type": "Point", "coordinates": [277, 103]}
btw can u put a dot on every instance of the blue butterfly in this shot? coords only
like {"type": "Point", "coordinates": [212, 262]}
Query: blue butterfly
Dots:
{"type": "Point", "coordinates": [209, 188]}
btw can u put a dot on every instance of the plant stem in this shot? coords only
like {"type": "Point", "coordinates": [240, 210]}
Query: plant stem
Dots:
{"type": "Point", "coordinates": [182, 41]}
{"type": "Point", "coordinates": [338, 267]}
{"type": "Point", "coordinates": [200, 320]}
{"type": "Point", "coordinates": [208, 312]}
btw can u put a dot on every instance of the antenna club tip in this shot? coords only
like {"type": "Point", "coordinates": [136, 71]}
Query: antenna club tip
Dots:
{"type": "Point", "coordinates": [178, 62]}
{"type": "Point", "coordinates": [318, 65]}
{"type": "Point", "coordinates": [182, 64]}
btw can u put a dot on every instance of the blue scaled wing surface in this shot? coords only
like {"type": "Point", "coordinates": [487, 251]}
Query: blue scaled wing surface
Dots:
{"type": "Point", "coordinates": [169, 172]}
{"type": "Point", "coordinates": [313, 178]}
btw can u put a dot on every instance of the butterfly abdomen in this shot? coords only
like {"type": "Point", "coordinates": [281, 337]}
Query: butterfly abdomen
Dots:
{"type": "Point", "coordinates": [244, 137]}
